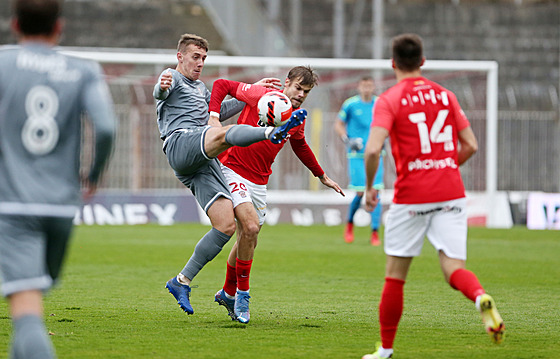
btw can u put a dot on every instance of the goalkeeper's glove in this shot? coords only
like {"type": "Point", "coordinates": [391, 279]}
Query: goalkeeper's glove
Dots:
{"type": "Point", "coordinates": [356, 144]}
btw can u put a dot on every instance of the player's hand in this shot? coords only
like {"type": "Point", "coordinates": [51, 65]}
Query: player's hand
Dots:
{"type": "Point", "coordinates": [332, 184]}
{"type": "Point", "coordinates": [214, 121]}
{"type": "Point", "coordinates": [165, 81]}
{"type": "Point", "coordinates": [270, 83]}
{"type": "Point", "coordinates": [88, 189]}
{"type": "Point", "coordinates": [372, 199]}
{"type": "Point", "coordinates": [356, 144]}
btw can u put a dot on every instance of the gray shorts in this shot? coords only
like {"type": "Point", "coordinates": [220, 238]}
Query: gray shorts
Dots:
{"type": "Point", "coordinates": [31, 251]}
{"type": "Point", "coordinates": [201, 174]}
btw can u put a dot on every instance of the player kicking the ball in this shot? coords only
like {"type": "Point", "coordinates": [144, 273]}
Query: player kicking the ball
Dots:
{"type": "Point", "coordinates": [191, 144]}
{"type": "Point", "coordinates": [247, 170]}
{"type": "Point", "coordinates": [430, 139]}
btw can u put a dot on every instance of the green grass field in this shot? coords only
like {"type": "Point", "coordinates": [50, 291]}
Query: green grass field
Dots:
{"type": "Point", "coordinates": [313, 296]}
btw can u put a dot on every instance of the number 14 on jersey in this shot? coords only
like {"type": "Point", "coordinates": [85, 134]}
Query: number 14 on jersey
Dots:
{"type": "Point", "coordinates": [439, 133]}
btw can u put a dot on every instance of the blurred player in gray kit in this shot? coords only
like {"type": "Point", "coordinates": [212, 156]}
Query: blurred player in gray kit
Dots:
{"type": "Point", "coordinates": [192, 140]}
{"type": "Point", "coordinates": [42, 97]}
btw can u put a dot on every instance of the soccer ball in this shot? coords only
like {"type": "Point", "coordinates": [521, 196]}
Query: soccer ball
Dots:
{"type": "Point", "coordinates": [275, 109]}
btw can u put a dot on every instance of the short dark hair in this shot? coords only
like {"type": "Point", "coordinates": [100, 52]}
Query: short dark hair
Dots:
{"type": "Point", "coordinates": [37, 17]}
{"type": "Point", "coordinates": [366, 78]}
{"type": "Point", "coordinates": [305, 73]}
{"type": "Point", "coordinates": [188, 39]}
{"type": "Point", "coordinates": [407, 52]}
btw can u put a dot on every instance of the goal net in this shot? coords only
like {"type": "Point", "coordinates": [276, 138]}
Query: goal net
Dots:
{"type": "Point", "coordinates": [138, 163]}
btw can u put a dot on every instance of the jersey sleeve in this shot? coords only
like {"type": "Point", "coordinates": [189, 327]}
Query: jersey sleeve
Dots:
{"type": "Point", "coordinates": [382, 114]}
{"type": "Point", "coordinates": [98, 104]}
{"type": "Point", "coordinates": [306, 155]}
{"type": "Point", "coordinates": [220, 90]}
{"type": "Point", "coordinates": [460, 117]}
{"type": "Point", "coordinates": [247, 93]}
{"type": "Point", "coordinates": [230, 108]}
{"type": "Point", "coordinates": [250, 94]}
{"type": "Point", "coordinates": [343, 113]}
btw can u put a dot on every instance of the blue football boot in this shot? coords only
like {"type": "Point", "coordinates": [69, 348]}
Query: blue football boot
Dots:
{"type": "Point", "coordinates": [182, 293]}
{"type": "Point", "coordinates": [281, 132]}
{"type": "Point", "coordinates": [222, 299]}
{"type": "Point", "coordinates": [241, 307]}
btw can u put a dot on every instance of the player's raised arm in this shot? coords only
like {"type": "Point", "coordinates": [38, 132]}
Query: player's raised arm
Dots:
{"type": "Point", "coordinates": [161, 88]}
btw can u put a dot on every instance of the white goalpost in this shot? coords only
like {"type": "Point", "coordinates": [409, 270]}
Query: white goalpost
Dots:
{"type": "Point", "coordinates": [231, 66]}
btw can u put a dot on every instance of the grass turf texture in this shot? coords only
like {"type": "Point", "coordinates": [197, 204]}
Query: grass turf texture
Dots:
{"type": "Point", "coordinates": [313, 296]}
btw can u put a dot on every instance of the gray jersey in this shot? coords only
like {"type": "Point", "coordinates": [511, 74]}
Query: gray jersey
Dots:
{"type": "Point", "coordinates": [42, 97]}
{"type": "Point", "coordinates": [185, 104]}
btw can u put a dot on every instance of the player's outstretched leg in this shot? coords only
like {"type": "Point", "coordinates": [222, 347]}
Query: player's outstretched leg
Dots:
{"type": "Point", "coordinates": [182, 293]}
{"type": "Point", "coordinates": [222, 299]}
{"type": "Point", "coordinates": [241, 307]}
{"type": "Point", "coordinates": [492, 320]}
{"type": "Point", "coordinates": [378, 353]}
{"type": "Point", "coordinates": [281, 132]}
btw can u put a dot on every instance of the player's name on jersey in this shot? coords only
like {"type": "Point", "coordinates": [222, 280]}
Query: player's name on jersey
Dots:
{"type": "Point", "coordinates": [428, 164]}
{"type": "Point", "coordinates": [54, 65]}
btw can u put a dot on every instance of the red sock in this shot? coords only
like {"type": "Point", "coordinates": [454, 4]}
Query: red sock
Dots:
{"type": "Point", "coordinates": [243, 271]}
{"type": "Point", "coordinates": [230, 287]}
{"type": "Point", "coordinates": [390, 310]}
{"type": "Point", "coordinates": [467, 282]}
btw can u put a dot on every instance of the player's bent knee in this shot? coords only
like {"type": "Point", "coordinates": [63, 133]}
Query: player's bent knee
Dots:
{"type": "Point", "coordinates": [251, 229]}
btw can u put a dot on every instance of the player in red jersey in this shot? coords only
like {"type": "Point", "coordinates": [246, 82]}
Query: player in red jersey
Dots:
{"type": "Point", "coordinates": [430, 138]}
{"type": "Point", "coordinates": [247, 170]}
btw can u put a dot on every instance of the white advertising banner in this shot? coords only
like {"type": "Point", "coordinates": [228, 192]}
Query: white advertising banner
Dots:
{"type": "Point", "coordinates": [543, 210]}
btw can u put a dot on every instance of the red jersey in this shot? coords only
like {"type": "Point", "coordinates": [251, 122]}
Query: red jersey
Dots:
{"type": "Point", "coordinates": [254, 162]}
{"type": "Point", "coordinates": [423, 120]}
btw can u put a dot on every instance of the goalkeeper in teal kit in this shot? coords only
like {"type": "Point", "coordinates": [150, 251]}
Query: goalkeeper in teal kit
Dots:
{"type": "Point", "coordinates": [352, 125]}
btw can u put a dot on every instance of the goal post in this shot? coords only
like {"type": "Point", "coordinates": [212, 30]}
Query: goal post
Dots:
{"type": "Point", "coordinates": [338, 72]}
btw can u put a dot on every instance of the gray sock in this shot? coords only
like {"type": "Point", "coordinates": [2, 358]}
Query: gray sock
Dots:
{"type": "Point", "coordinates": [31, 340]}
{"type": "Point", "coordinates": [245, 135]}
{"type": "Point", "coordinates": [206, 249]}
